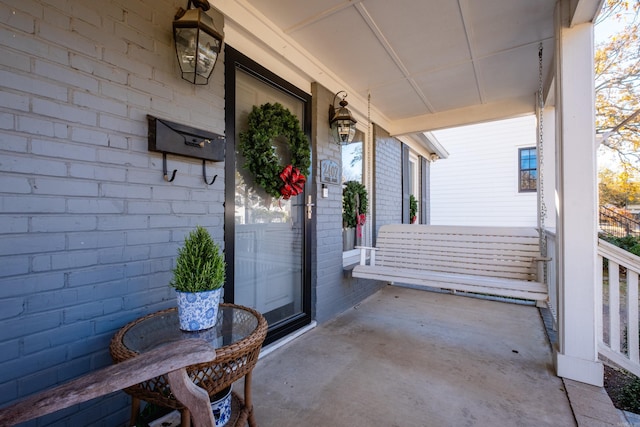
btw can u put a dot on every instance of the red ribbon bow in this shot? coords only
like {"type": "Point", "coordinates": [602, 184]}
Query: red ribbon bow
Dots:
{"type": "Point", "coordinates": [360, 219]}
{"type": "Point", "coordinates": [293, 182]}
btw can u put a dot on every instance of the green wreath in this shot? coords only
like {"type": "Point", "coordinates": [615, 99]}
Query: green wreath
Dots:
{"type": "Point", "coordinates": [267, 122]}
{"type": "Point", "coordinates": [354, 204]}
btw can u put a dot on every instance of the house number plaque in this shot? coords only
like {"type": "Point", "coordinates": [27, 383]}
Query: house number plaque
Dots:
{"type": "Point", "coordinates": [329, 172]}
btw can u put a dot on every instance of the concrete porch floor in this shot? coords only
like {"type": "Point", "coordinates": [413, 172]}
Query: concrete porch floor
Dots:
{"type": "Point", "coordinates": [406, 357]}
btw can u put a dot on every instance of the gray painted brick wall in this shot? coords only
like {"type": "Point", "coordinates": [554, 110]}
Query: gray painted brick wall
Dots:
{"type": "Point", "coordinates": [334, 290]}
{"type": "Point", "coordinates": [89, 228]}
{"type": "Point", "coordinates": [388, 181]}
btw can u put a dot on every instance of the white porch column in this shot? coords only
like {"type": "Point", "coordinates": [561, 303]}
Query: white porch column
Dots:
{"type": "Point", "coordinates": [576, 356]}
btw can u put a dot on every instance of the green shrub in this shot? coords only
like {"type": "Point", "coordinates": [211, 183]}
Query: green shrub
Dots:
{"type": "Point", "coordinates": [200, 265]}
{"type": "Point", "coordinates": [628, 243]}
{"type": "Point", "coordinates": [629, 397]}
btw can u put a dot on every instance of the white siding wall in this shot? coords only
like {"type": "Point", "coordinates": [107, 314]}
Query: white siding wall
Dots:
{"type": "Point", "coordinates": [478, 183]}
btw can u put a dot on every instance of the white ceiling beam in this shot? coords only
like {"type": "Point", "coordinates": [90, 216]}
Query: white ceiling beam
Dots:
{"type": "Point", "coordinates": [583, 11]}
{"type": "Point", "coordinates": [505, 109]}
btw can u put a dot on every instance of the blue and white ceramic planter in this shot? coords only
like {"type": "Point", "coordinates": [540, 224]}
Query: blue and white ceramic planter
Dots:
{"type": "Point", "coordinates": [222, 408]}
{"type": "Point", "coordinates": [198, 310]}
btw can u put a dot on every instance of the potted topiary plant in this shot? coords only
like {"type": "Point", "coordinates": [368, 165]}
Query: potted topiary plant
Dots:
{"type": "Point", "coordinates": [413, 209]}
{"type": "Point", "coordinates": [198, 279]}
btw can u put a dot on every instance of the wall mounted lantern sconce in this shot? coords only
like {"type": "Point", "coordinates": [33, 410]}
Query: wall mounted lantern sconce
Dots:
{"type": "Point", "coordinates": [198, 38]}
{"type": "Point", "coordinates": [343, 125]}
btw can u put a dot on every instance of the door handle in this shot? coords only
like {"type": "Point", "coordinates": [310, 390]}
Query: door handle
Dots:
{"type": "Point", "coordinates": [309, 208]}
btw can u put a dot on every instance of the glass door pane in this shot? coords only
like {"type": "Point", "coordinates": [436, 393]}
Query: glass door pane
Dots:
{"type": "Point", "coordinates": [269, 232]}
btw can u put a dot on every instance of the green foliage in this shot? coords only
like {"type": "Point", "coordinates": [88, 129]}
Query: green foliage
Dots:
{"type": "Point", "coordinates": [354, 203]}
{"type": "Point", "coordinates": [629, 397]}
{"type": "Point", "coordinates": [628, 243]}
{"type": "Point", "coordinates": [200, 265]}
{"type": "Point", "coordinates": [266, 123]}
{"type": "Point", "coordinates": [413, 207]}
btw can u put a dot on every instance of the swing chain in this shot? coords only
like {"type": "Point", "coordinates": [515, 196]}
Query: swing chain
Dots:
{"type": "Point", "coordinates": [539, 111]}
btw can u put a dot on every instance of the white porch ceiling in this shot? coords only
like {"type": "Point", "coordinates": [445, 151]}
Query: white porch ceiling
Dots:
{"type": "Point", "coordinates": [428, 64]}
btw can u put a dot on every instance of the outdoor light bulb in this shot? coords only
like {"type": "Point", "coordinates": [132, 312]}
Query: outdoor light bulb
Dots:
{"type": "Point", "coordinates": [346, 131]}
{"type": "Point", "coordinates": [343, 133]}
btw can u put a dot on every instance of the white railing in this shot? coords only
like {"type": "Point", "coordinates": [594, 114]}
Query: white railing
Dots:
{"type": "Point", "coordinates": [551, 275]}
{"type": "Point", "coordinates": [617, 294]}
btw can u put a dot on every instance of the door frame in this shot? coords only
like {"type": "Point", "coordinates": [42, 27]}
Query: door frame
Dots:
{"type": "Point", "coordinates": [234, 61]}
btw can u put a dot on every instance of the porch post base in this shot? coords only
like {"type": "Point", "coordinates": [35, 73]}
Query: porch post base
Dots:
{"type": "Point", "coordinates": [585, 371]}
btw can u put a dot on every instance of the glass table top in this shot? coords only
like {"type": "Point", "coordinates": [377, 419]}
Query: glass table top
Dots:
{"type": "Point", "coordinates": [233, 325]}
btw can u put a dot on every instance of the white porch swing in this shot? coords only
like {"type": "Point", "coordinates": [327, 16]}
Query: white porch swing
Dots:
{"type": "Point", "coordinates": [500, 261]}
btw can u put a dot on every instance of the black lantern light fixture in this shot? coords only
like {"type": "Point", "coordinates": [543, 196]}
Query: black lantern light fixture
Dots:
{"type": "Point", "coordinates": [198, 38]}
{"type": "Point", "coordinates": [343, 125]}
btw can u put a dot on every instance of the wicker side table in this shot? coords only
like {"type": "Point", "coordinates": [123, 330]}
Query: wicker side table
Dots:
{"type": "Point", "coordinates": [237, 337]}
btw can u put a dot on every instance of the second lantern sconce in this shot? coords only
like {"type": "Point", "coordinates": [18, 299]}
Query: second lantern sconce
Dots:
{"type": "Point", "coordinates": [343, 125]}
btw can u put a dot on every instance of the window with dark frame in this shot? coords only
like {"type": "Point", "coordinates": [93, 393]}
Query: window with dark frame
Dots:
{"type": "Point", "coordinates": [528, 169]}
{"type": "Point", "coordinates": [352, 170]}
